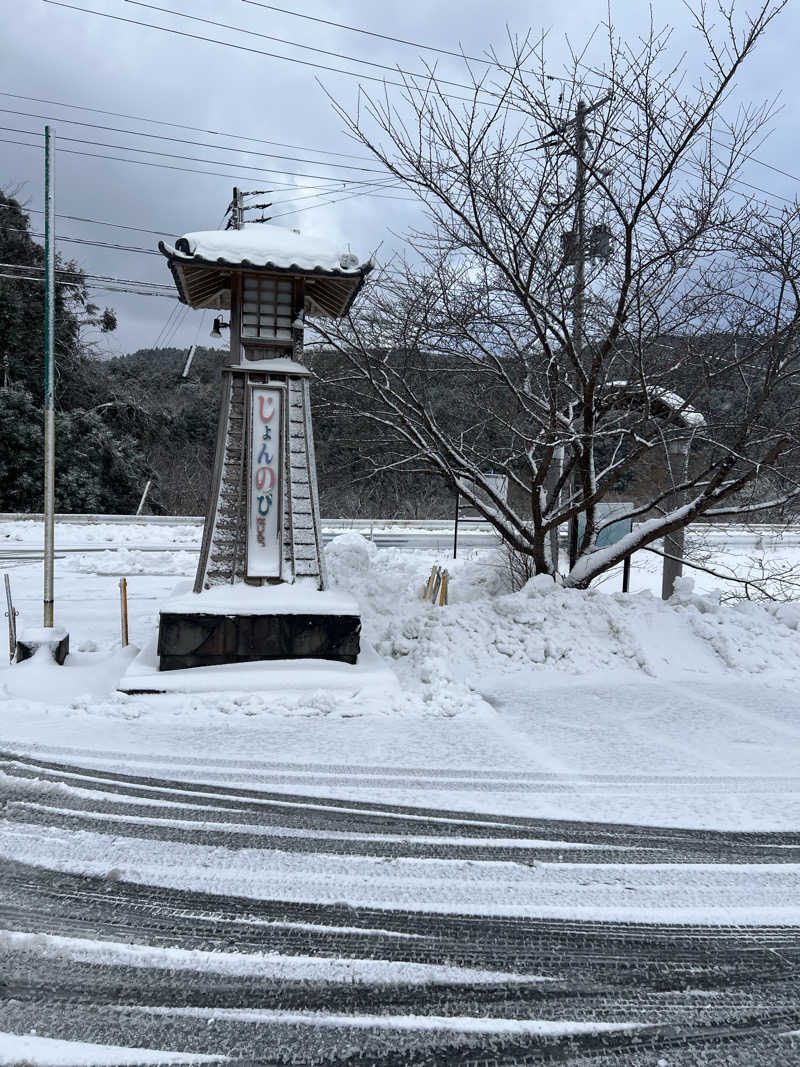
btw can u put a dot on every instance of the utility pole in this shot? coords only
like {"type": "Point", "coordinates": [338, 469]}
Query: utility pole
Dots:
{"type": "Point", "coordinates": [578, 247]}
{"type": "Point", "coordinates": [237, 209]}
{"type": "Point", "coordinates": [49, 372]}
{"type": "Point", "coordinates": [579, 286]}
{"type": "Point", "coordinates": [578, 291]}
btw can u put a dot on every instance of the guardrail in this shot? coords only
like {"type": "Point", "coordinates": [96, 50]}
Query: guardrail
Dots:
{"type": "Point", "coordinates": [741, 534]}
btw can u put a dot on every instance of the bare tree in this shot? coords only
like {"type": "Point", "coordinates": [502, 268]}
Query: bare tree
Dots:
{"type": "Point", "coordinates": [594, 286]}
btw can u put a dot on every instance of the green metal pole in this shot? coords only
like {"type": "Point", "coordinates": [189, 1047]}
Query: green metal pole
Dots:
{"type": "Point", "coordinates": [49, 372]}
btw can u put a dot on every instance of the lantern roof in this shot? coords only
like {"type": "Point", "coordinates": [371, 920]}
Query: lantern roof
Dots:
{"type": "Point", "coordinates": [203, 263]}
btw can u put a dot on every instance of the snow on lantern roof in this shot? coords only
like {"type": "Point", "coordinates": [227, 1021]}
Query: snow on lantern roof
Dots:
{"type": "Point", "coordinates": [202, 263]}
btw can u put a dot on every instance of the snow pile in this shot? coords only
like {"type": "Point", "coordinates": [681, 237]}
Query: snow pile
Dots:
{"type": "Point", "coordinates": [449, 660]}
{"type": "Point", "coordinates": [132, 561]}
{"type": "Point", "coordinates": [80, 534]}
{"type": "Point", "coordinates": [545, 627]}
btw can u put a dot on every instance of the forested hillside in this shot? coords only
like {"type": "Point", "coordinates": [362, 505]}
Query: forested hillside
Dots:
{"type": "Point", "coordinates": [123, 421]}
{"type": "Point", "coordinates": [174, 422]}
{"type": "Point", "coordinates": [99, 464]}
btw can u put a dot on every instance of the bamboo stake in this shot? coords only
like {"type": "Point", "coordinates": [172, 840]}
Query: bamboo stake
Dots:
{"type": "Point", "coordinates": [437, 585]}
{"type": "Point", "coordinates": [428, 591]}
{"type": "Point", "coordinates": [443, 593]}
{"type": "Point", "coordinates": [123, 609]}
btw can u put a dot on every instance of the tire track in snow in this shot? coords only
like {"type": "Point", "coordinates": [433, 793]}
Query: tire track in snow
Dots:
{"type": "Point", "coordinates": [725, 994]}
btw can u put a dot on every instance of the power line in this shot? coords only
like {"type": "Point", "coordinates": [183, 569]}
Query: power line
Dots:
{"type": "Point", "coordinates": [86, 241]}
{"type": "Point", "coordinates": [180, 319]}
{"type": "Point", "coordinates": [425, 75]}
{"type": "Point", "coordinates": [760, 162]}
{"type": "Point", "coordinates": [95, 222]}
{"type": "Point", "coordinates": [180, 126]}
{"type": "Point", "coordinates": [388, 37]}
{"type": "Point", "coordinates": [164, 166]}
{"type": "Point", "coordinates": [104, 287]}
{"type": "Point", "coordinates": [245, 48]}
{"type": "Point", "coordinates": [191, 159]}
{"type": "Point", "coordinates": [92, 277]}
{"type": "Point", "coordinates": [372, 170]}
{"type": "Point", "coordinates": [271, 7]}
{"type": "Point", "coordinates": [337, 200]}
{"type": "Point", "coordinates": [173, 311]}
{"type": "Point", "coordinates": [182, 140]}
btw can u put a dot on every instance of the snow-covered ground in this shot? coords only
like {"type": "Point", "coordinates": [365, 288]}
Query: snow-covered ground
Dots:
{"type": "Point", "coordinates": [546, 754]}
{"type": "Point", "coordinates": [620, 707]}
{"type": "Point", "coordinates": [551, 703]}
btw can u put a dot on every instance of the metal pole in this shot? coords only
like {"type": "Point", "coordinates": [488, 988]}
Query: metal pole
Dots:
{"type": "Point", "coordinates": [455, 529]}
{"type": "Point", "coordinates": [144, 496]}
{"type": "Point", "coordinates": [677, 464]}
{"type": "Point", "coordinates": [578, 292]}
{"type": "Point", "coordinates": [49, 372]}
{"type": "Point", "coordinates": [11, 613]}
{"type": "Point", "coordinates": [626, 575]}
{"type": "Point", "coordinates": [187, 365]}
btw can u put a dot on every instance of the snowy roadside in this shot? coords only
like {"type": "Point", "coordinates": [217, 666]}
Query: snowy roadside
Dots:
{"type": "Point", "coordinates": [604, 706]}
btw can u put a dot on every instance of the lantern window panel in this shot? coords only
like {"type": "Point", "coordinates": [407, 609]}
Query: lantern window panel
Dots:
{"type": "Point", "coordinates": [268, 309]}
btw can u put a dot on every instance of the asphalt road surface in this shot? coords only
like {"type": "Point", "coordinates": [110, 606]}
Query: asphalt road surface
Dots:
{"type": "Point", "coordinates": [689, 994]}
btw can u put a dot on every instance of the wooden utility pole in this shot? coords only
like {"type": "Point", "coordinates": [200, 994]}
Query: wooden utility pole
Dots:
{"type": "Point", "coordinates": [49, 372]}
{"type": "Point", "coordinates": [579, 286]}
{"type": "Point", "coordinates": [237, 209]}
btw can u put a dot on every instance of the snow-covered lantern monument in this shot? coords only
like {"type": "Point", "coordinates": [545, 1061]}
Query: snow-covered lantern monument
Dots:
{"type": "Point", "coordinates": [260, 590]}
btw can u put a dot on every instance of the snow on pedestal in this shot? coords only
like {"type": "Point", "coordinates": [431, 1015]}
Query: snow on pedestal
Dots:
{"type": "Point", "coordinates": [53, 638]}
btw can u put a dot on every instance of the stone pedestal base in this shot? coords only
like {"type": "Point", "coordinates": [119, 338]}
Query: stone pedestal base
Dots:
{"type": "Point", "coordinates": [205, 640]}
{"type": "Point", "coordinates": [30, 641]}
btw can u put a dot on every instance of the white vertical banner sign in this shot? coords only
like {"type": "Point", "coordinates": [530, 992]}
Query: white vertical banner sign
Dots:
{"type": "Point", "coordinates": [264, 550]}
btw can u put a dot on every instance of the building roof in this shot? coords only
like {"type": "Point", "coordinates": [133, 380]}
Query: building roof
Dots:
{"type": "Point", "coordinates": [202, 264]}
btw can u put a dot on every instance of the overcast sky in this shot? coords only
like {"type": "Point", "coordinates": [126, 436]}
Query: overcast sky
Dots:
{"type": "Point", "coordinates": [77, 58]}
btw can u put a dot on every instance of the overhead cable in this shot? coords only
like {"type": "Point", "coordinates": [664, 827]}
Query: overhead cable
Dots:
{"type": "Point", "coordinates": [179, 125]}
{"type": "Point", "coordinates": [395, 40]}
{"type": "Point", "coordinates": [87, 241]}
{"type": "Point", "coordinates": [190, 159]}
{"type": "Point", "coordinates": [245, 48]}
{"type": "Point", "coordinates": [95, 222]}
{"type": "Point", "coordinates": [423, 75]}
{"type": "Point", "coordinates": [165, 166]}
{"type": "Point", "coordinates": [93, 277]}
{"type": "Point", "coordinates": [104, 286]}
{"type": "Point", "coordinates": [182, 140]}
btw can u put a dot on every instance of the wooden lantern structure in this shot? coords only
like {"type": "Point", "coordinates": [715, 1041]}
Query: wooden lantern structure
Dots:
{"type": "Point", "coordinates": [262, 526]}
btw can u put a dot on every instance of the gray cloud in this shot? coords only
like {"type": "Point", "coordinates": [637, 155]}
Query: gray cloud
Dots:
{"type": "Point", "coordinates": [78, 58]}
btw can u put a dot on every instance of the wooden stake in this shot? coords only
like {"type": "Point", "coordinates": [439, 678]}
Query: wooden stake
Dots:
{"type": "Point", "coordinates": [123, 609]}
{"type": "Point", "coordinates": [443, 593]}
